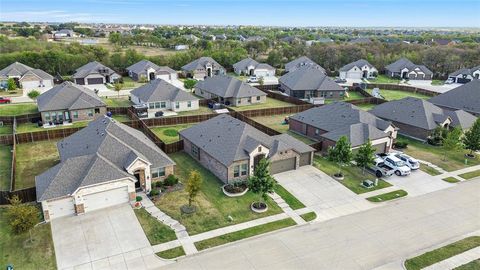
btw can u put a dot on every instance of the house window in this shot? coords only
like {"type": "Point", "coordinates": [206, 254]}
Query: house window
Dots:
{"type": "Point", "coordinates": [151, 105]}
{"type": "Point", "coordinates": [163, 104]}
{"type": "Point", "coordinates": [75, 114]}
{"type": "Point", "coordinates": [243, 169]}
{"type": "Point", "coordinates": [239, 101]}
{"type": "Point", "coordinates": [97, 110]}
{"type": "Point", "coordinates": [249, 100]}
{"type": "Point", "coordinates": [47, 116]}
{"type": "Point", "coordinates": [317, 131]}
{"type": "Point", "coordinates": [90, 113]}
{"type": "Point", "coordinates": [177, 105]}
{"type": "Point", "coordinates": [157, 105]}
{"type": "Point", "coordinates": [258, 98]}
{"type": "Point", "coordinates": [158, 172]}
{"type": "Point", "coordinates": [194, 151]}
{"type": "Point", "coordinates": [189, 104]}
{"type": "Point", "coordinates": [54, 116]}
{"type": "Point", "coordinates": [236, 171]}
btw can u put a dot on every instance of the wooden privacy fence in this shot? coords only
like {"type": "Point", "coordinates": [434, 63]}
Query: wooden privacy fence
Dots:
{"type": "Point", "coordinates": [13, 170]}
{"type": "Point", "coordinates": [406, 88]}
{"type": "Point", "coordinates": [45, 135]}
{"type": "Point", "coordinates": [117, 110]}
{"type": "Point", "coordinates": [177, 120]}
{"type": "Point", "coordinates": [277, 111]}
{"type": "Point", "coordinates": [25, 195]}
{"type": "Point", "coordinates": [6, 139]}
{"type": "Point", "coordinates": [368, 100]}
{"type": "Point", "coordinates": [25, 118]}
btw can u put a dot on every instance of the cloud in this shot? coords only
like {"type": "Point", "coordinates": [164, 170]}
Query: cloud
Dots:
{"type": "Point", "coordinates": [58, 16]}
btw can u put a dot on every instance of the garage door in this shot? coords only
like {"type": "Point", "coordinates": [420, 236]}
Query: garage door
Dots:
{"type": "Point", "coordinates": [105, 199]}
{"type": "Point", "coordinates": [80, 81]}
{"type": "Point", "coordinates": [380, 148]}
{"type": "Point", "coordinates": [354, 75]}
{"type": "Point", "coordinates": [166, 77]}
{"type": "Point", "coordinates": [305, 159]}
{"type": "Point", "coordinates": [282, 165]}
{"type": "Point", "coordinates": [463, 80]}
{"type": "Point", "coordinates": [61, 208]}
{"type": "Point", "coordinates": [95, 80]}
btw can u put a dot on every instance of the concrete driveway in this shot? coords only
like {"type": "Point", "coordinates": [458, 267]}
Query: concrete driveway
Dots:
{"type": "Point", "coordinates": [321, 193]}
{"type": "Point", "coordinates": [418, 183]}
{"type": "Point", "coordinates": [110, 238]}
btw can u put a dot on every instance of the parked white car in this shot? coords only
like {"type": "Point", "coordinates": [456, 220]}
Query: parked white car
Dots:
{"type": "Point", "coordinates": [252, 79]}
{"type": "Point", "coordinates": [397, 165]}
{"type": "Point", "coordinates": [411, 162]}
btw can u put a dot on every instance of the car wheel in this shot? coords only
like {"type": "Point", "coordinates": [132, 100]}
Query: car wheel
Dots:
{"type": "Point", "coordinates": [398, 173]}
{"type": "Point", "coordinates": [378, 174]}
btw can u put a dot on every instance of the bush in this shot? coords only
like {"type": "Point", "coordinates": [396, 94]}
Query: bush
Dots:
{"type": "Point", "coordinates": [154, 192]}
{"type": "Point", "coordinates": [158, 184]}
{"type": "Point", "coordinates": [170, 180]}
{"type": "Point", "coordinates": [138, 199]}
{"type": "Point", "coordinates": [237, 187]}
{"type": "Point", "coordinates": [401, 144]}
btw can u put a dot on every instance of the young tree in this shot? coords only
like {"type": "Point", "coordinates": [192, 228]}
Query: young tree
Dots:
{"type": "Point", "coordinates": [22, 217]}
{"type": "Point", "coordinates": [33, 95]}
{"type": "Point", "coordinates": [341, 153]}
{"type": "Point", "coordinates": [189, 83]}
{"type": "Point", "coordinates": [452, 141]}
{"type": "Point", "coordinates": [261, 81]}
{"type": "Point", "coordinates": [117, 87]}
{"type": "Point", "coordinates": [365, 156]}
{"type": "Point", "coordinates": [11, 85]}
{"type": "Point", "coordinates": [261, 182]}
{"type": "Point", "coordinates": [471, 140]}
{"type": "Point", "coordinates": [194, 183]}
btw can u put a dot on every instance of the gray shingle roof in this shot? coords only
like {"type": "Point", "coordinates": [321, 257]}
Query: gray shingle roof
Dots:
{"type": "Point", "coordinates": [402, 63]}
{"type": "Point", "coordinates": [357, 134]}
{"type": "Point", "coordinates": [228, 139]}
{"type": "Point", "coordinates": [465, 71]}
{"type": "Point", "coordinates": [68, 96]}
{"type": "Point", "coordinates": [96, 154]}
{"type": "Point", "coordinates": [301, 61]}
{"type": "Point", "coordinates": [309, 78]}
{"type": "Point", "coordinates": [465, 97]}
{"type": "Point", "coordinates": [19, 69]}
{"type": "Point", "coordinates": [359, 63]}
{"type": "Point", "coordinates": [227, 87]}
{"type": "Point", "coordinates": [243, 64]}
{"type": "Point", "coordinates": [142, 66]}
{"type": "Point", "coordinates": [92, 68]}
{"type": "Point", "coordinates": [200, 63]}
{"type": "Point", "coordinates": [160, 90]}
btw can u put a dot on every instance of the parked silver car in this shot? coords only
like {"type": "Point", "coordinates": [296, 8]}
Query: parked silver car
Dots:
{"type": "Point", "coordinates": [411, 162]}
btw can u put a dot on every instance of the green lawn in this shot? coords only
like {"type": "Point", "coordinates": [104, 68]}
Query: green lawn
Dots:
{"type": "Point", "coordinates": [398, 94]}
{"type": "Point", "coordinates": [121, 117]}
{"type": "Point", "coordinates": [470, 175]}
{"type": "Point", "coordinates": [238, 235]}
{"type": "Point", "coordinates": [276, 122]}
{"type": "Point", "coordinates": [13, 93]}
{"type": "Point", "coordinates": [156, 232]}
{"type": "Point", "coordinates": [201, 110]}
{"type": "Point", "coordinates": [5, 166]}
{"type": "Point", "coordinates": [352, 95]}
{"type": "Point", "coordinates": [366, 106]}
{"type": "Point", "coordinates": [129, 83]}
{"type": "Point", "coordinates": [18, 109]}
{"type": "Point", "coordinates": [169, 134]}
{"type": "Point", "coordinates": [438, 82]}
{"type": "Point", "coordinates": [117, 101]}
{"type": "Point", "coordinates": [385, 79]}
{"type": "Point", "coordinates": [171, 253]}
{"type": "Point", "coordinates": [434, 154]}
{"type": "Point", "coordinates": [15, 251]}
{"type": "Point", "coordinates": [213, 207]}
{"type": "Point", "coordinates": [270, 103]}
{"type": "Point", "coordinates": [442, 253]}
{"type": "Point", "coordinates": [473, 265]}
{"type": "Point", "coordinates": [353, 176]}
{"type": "Point", "coordinates": [6, 129]}
{"type": "Point", "coordinates": [451, 180]}
{"type": "Point", "coordinates": [388, 196]}
{"type": "Point", "coordinates": [429, 170]}
{"type": "Point", "coordinates": [33, 159]}
{"type": "Point", "coordinates": [288, 197]}
{"type": "Point", "coordinates": [309, 216]}
{"type": "Point", "coordinates": [33, 127]}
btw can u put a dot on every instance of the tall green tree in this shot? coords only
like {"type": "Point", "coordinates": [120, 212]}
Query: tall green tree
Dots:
{"type": "Point", "coordinates": [11, 85]}
{"type": "Point", "coordinates": [33, 95]}
{"type": "Point", "coordinates": [471, 140]}
{"type": "Point", "coordinates": [261, 182]}
{"type": "Point", "coordinates": [341, 153]}
{"type": "Point", "coordinates": [193, 186]}
{"type": "Point", "coordinates": [365, 156]}
{"type": "Point", "coordinates": [21, 217]}
{"type": "Point", "coordinates": [452, 141]}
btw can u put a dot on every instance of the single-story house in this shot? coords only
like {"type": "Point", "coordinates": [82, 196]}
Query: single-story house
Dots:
{"type": "Point", "coordinates": [26, 77]}
{"type": "Point", "coordinates": [465, 97]}
{"type": "Point", "coordinates": [300, 62]}
{"type": "Point", "coordinates": [360, 40]}
{"type": "Point", "coordinates": [465, 75]}
{"type": "Point", "coordinates": [229, 91]}
{"type": "Point", "coordinates": [405, 69]}
{"type": "Point", "coordinates": [250, 67]}
{"type": "Point", "coordinates": [202, 68]}
{"type": "Point", "coordinates": [69, 102]}
{"type": "Point", "coordinates": [231, 149]}
{"type": "Point", "coordinates": [310, 82]}
{"type": "Point", "coordinates": [63, 33]}
{"type": "Point", "coordinates": [358, 70]}
{"type": "Point", "coordinates": [95, 73]}
{"type": "Point", "coordinates": [417, 118]}
{"type": "Point", "coordinates": [159, 95]}
{"type": "Point", "coordinates": [328, 123]}
{"type": "Point", "coordinates": [102, 165]}
{"type": "Point", "coordinates": [149, 71]}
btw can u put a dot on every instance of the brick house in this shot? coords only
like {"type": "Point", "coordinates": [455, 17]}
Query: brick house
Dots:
{"type": "Point", "coordinates": [302, 61]}
{"type": "Point", "coordinates": [465, 97]}
{"type": "Point", "coordinates": [202, 68]}
{"type": "Point", "coordinates": [95, 73]}
{"type": "Point", "coordinates": [405, 69]}
{"type": "Point", "coordinates": [26, 77]}
{"type": "Point", "coordinates": [150, 71]}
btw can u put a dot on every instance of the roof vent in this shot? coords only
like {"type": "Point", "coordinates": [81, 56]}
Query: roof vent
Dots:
{"type": "Point", "coordinates": [103, 134]}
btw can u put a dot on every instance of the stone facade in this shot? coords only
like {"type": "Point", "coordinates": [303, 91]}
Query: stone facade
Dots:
{"type": "Point", "coordinates": [79, 209]}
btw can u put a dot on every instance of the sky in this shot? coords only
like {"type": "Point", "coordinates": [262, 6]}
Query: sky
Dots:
{"type": "Point", "coordinates": [354, 13]}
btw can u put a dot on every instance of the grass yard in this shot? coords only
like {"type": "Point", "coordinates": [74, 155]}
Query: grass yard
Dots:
{"type": "Point", "coordinates": [201, 110]}
{"type": "Point", "coordinates": [352, 95]}
{"type": "Point", "coordinates": [438, 82]}
{"type": "Point", "coordinates": [213, 207]}
{"type": "Point", "coordinates": [385, 79]}
{"type": "Point", "coordinates": [33, 127]}
{"type": "Point", "coordinates": [121, 117]}
{"type": "Point", "coordinates": [270, 103]}
{"type": "Point", "coordinates": [246, 233]}
{"type": "Point", "coordinates": [18, 109]}
{"type": "Point", "coordinates": [429, 170]}
{"type": "Point", "coordinates": [366, 107]}
{"type": "Point", "coordinates": [276, 122]}
{"type": "Point", "coordinates": [6, 129]}
{"type": "Point", "coordinates": [398, 94]}
{"type": "Point", "coordinates": [13, 93]}
{"type": "Point", "coordinates": [13, 250]}
{"type": "Point", "coordinates": [309, 216]}
{"type": "Point", "coordinates": [171, 253]}
{"type": "Point", "coordinates": [156, 232]}
{"type": "Point", "coordinates": [169, 134]}
{"type": "Point", "coordinates": [129, 83]}
{"type": "Point", "coordinates": [353, 176]}
{"type": "Point", "coordinates": [117, 101]}
{"type": "Point", "coordinates": [33, 159]}
{"type": "Point", "coordinates": [288, 197]}
{"type": "Point", "coordinates": [451, 180]}
{"type": "Point", "coordinates": [434, 154]}
{"type": "Point", "coordinates": [5, 166]}
{"type": "Point", "coordinates": [442, 253]}
{"type": "Point", "coordinates": [470, 175]}
{"type": "Point", "coordinates": [388, 196]}
{"type": "Point", "coordinates": [473, 265]}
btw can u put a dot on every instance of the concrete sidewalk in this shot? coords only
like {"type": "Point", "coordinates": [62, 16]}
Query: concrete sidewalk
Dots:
{"type": "Point", "coordinates": [457, 260]}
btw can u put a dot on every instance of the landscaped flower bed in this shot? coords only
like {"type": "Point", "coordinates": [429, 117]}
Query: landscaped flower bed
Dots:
{"type": "Point", "coordinates": [235, 190]}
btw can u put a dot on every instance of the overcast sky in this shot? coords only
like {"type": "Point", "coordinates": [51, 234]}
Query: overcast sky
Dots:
{"type": "Point", "coordinates": [361, 13]}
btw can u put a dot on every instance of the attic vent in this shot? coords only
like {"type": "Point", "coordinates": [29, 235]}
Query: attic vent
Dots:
{"type": "Point", "coordinates": [102, 134]}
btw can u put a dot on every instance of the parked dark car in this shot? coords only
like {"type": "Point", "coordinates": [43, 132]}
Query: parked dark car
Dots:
{"type": "Point", "coordinates": [159, 114]}
{"type": "Point", "coordinates": [4, 100]}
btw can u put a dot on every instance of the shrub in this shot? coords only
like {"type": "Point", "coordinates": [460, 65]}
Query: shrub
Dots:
{"type": "Point", "coordinates": [401, 144]}
{"type": "Point", "coordinates": [21, 217]}
{"type": "Point", "coordinates": [154, 192]}
{"type": "Point", "coordinates": [138, 198]}
{"type": "Point", "coordinates": [158, 184]}
{"type": "Point", "coordinates": [170, 180]}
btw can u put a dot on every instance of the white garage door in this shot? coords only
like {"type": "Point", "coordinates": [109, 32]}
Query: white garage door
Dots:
{"type": "Point", "coordinates": [354, 75]}
{"type": "Point", "coordinates": [166, 77]}
{"type": "Point", "coordinates": [105, 198]}
{"type": "Point", "coordinates": [61, 208]}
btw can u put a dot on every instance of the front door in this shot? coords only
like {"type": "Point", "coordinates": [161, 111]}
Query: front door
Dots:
{"type": "Point", "coordinates": [365, 74]}
{"type": "Point", "coordinates": [151, 76]}
{"type": "Point", "coordinates": [137, 184]}
{"type": "Point", "coordinates": [256, 160]}
{"type": "Point", "coordinates": [67, 116]}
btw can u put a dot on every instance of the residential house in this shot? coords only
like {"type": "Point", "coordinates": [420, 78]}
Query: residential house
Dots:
{"type": "Point", "coordinates": [146, 70]}
{"type": "Point", "coordinates": [69, 102]}
{"type": "Point", "coordinates": [203, 67]}
{"type": "Point", "coordinates": [418, 118]}
{"type": "Point", "coordinates": [358, 70]}
{"type": "Point", "coordinates": [300, 62]}
{"type": "Point", "coordinates": [310, 82]}
{"type": "Point", "coordinates": [229, 91]}
{"type": "Point", "coordinates": [465, 75]}
{"type": "Point", "coordinates": [231, 149]}
{"type": "Point", "coordinates": [465, 97]}
{"type": "Point", "coordinates": [405, 69]}
{"type": "Point", "coordinates": [181, 47]}
{"type": "Point", "coordinates": [250, 67]}
{"type": "Point", "coordinates": [328, 123]}
{"type": "Point", "coordinates": [63, 34]}
{"type": "Point", "coordinates": [159, 95]}
{"type": "Point", "coordinates": [95, 73]}
{"type": "Point", "coordinates": [191, 37]}
{"type": "Point", "coordinates": [26, 77]}
{"type": "Point", "coordinates": [361, 40]}
{"type": "Point", "coordinates": [102, 165]}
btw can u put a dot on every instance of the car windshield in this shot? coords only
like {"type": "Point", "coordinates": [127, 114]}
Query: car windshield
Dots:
{"type": "Point", "coordinates": [399, 163]}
